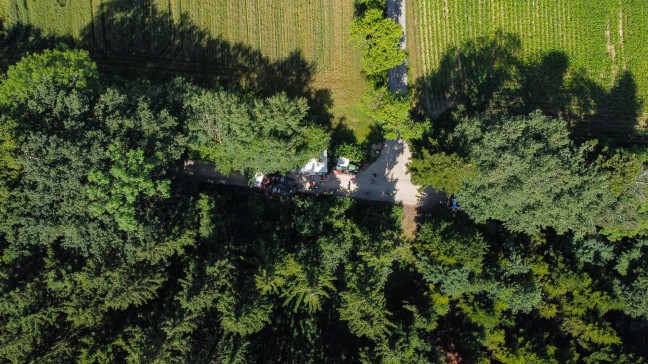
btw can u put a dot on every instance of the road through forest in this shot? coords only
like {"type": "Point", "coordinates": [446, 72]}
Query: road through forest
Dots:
{"type": "Point", "coordinates": [387, 179]}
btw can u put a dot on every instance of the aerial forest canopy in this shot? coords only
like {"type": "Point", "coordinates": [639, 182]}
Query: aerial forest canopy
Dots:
{"type": "Point", "coordinates": [254, 135]}
{"type": "Point", "coordinates": [113, 251]}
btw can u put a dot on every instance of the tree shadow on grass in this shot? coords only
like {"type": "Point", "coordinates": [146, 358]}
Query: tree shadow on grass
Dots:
{"type": "Point", "coordinates": [492, 75]}
{"type": "Point", "coordinates": [615, 115]}
{"type": "Point", "coordinates": [134, 39]}
{"type": "Point", "coordinates": [23, 38]}
{"type": "Point", "coordinates": [341, 134]}
{"type": "Point", "coordinates": [468, 75]}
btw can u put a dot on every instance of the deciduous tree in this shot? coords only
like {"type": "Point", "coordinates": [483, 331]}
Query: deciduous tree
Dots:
{"type": "Point", "coordinates": [529, 175]}
{"type": "Point", "coordinates": [380, 39]}
{"type": "Point", "coordinates": [264, 135]}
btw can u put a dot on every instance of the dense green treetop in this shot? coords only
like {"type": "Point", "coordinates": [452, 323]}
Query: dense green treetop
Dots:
{"type": "Point", "coordinates": [36, 74]}
{"type": "Point", "coordinates": [380, 39]}
{"type": "Point", "coordinates": [391, 112]}
{"type": "Point", "coordinates": [444, 172]}
{"type": "Point", "coordinates": [628, 178]}
{"type": "Point", "coordinates": [110, 252]}
{"type": "Point", "coordinates": [119, 191]}
{"type": "Point", "coordinates": [254, 134]}
{"type": "Point", "coordinates": [529, 175]}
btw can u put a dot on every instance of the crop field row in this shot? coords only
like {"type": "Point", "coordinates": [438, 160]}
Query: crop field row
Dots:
{"type": "Point", "coordinates": [274, 27]}
{"type": "Point", "coordinates": [211, 32]}
{"type": "Point", "coordinates": [605, 37]}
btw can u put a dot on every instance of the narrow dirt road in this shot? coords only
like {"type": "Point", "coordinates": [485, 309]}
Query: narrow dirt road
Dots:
{"type": "Point", "coordinates": [397, 81]}
{"type": "Point", "coordinates": [387, 179]}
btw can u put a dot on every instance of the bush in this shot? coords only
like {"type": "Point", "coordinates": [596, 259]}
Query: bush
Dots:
{"type": "Point", "coordinates": [352, 151]}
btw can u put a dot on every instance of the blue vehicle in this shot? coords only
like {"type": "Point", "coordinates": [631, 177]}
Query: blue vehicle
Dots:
{"type": "Point", "coordinates": [452, 203]}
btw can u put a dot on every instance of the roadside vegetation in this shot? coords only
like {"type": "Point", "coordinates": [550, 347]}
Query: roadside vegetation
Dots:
{"type": "Point", "coordinates": [379, 38]}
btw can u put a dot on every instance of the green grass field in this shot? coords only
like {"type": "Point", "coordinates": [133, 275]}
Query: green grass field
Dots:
{"type": "Point", "coordinates": [605, 37]}
{"type": "Point", "coordinates": [319, 29]}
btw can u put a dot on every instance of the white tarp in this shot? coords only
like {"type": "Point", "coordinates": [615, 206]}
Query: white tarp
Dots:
{"type": "Point", "coordinates": [317, 165]}
{"type": "Point", "coordinates": [343, 162]}
{"type": "Point", "coordinates": [258, 179]}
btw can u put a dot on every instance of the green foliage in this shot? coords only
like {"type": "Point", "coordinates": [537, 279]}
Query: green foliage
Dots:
{"type": "Point", "coordinates": [254, 135]}
{"type": "Point", "coordinates": [449, 244]}
{"type": "Point", "coordinates": [593, 251]}
{"type": "Point", "coordinates": [581, 306]}
{"type": "Point", "coordinates": [635, 295]}
{"type": "Point", "coordinates": [628, 180]}
{"type": "Point", "coordinates": [37, 75]}
{"type": "Point", "coordinates": [519, 296]}
{"type": "Point", "coordinates": [205, 207]}
{"type": "Point", "coordinates": [127, 184]}
{"type": "Point", "coordinates": [242, 318]}
{"type": "Point", "coordinates": [365, 313]}
{"type": "Point", "coordinates": [414, 344]}
{"type": "Point", "coordinates": [632, 287]}
{"type": "Point", "coordinates": [529, 176]}
{"type": "Point", "coordinates": [9, 166]}
{"type": "Point", "coordinates": [296, 286]}
{"type": "Point", "coordinates": [111, 253]}
{"type": "Point", "coordinates": [372, 4]}
{"type": "Point", "coordinates": [441, 171]}
{"type": "Point", "coordinates": [8, 146]}
{"type": "Point", "coordinates": [351, 151]}
{"type": "Point", "coordinates": [380, 41]}
{"type": "Point", "coordinates": [621, 169]}
{"type": "Point", "coordinates": [391, 112]}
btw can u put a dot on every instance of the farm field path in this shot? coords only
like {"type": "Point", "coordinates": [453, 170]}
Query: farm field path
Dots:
{"type": "Point", "coordinates": [398, 82]}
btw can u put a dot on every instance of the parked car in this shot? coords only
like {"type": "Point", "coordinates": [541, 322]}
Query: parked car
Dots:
{"type": "Point", "coordinates": [279, 190]}
{"type": "Point", "coordinates": [348, 169]}
{"type": "Point", "coordinates": [283, 180]}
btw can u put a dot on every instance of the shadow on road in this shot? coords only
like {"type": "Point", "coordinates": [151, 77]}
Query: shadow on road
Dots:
{"type": "Point", "coordinates": [397, 78]}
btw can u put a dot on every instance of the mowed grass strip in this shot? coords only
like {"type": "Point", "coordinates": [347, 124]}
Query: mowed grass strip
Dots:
{"type": "Point", "coordinates": [605, 37]}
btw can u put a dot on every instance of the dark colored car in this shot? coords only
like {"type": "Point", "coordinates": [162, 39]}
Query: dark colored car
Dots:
{"type": "Point", "coordinates": [284, 181]}
{"type": "Point", "coordinates": [279, 190]}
